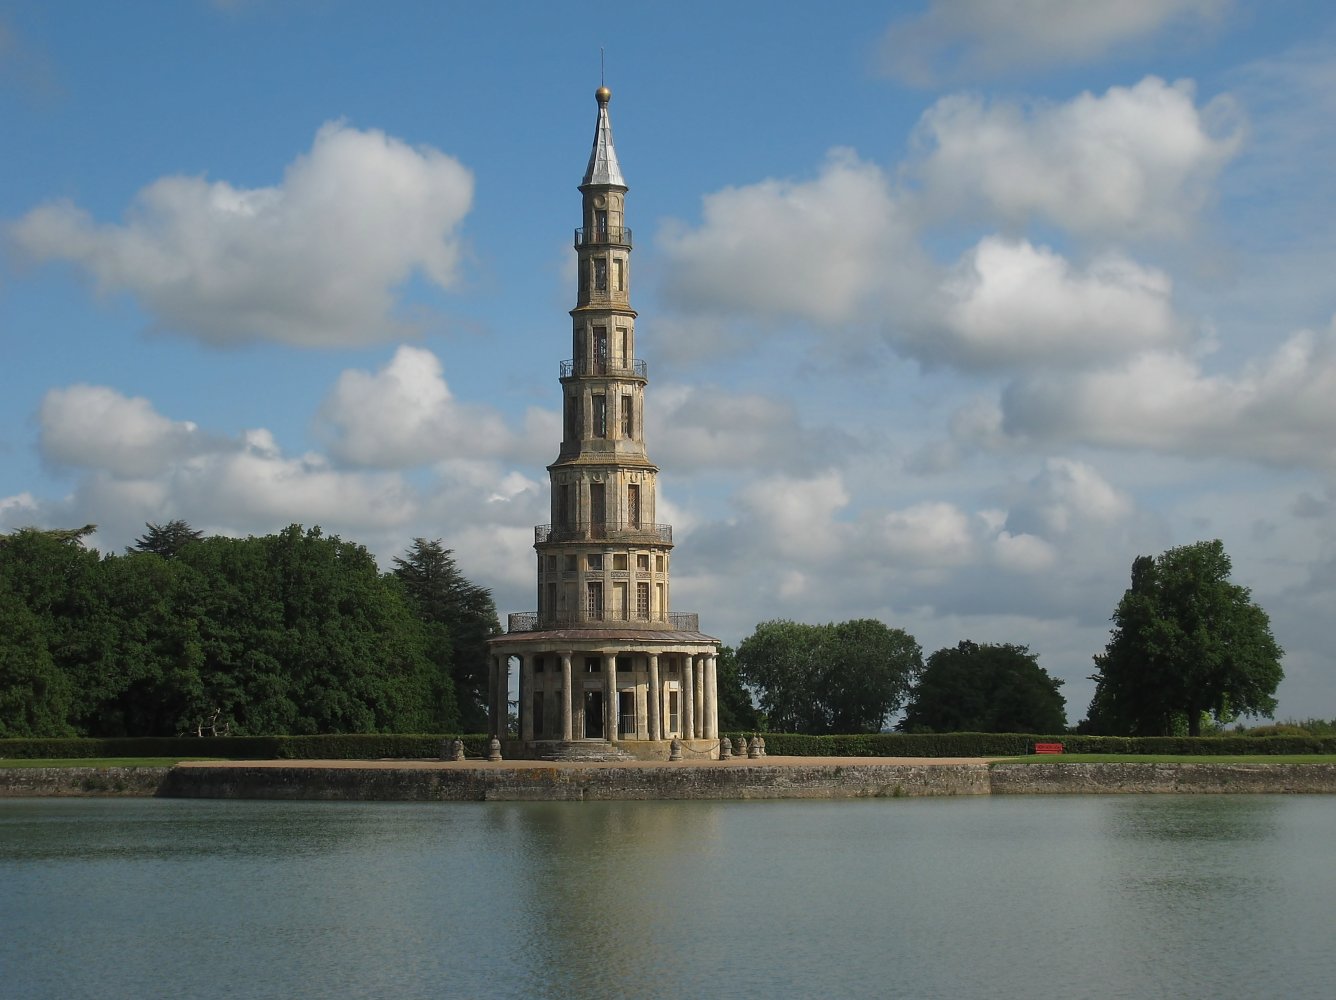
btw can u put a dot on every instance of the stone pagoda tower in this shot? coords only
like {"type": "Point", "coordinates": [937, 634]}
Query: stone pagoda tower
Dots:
{"type": "Point", "coordinates": [605, 668]}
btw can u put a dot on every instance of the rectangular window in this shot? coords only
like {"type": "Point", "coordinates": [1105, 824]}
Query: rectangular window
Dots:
{"type": "Point", "coordinates": [658, 564]}
{"type": "Point", "coordinates": [594, 562]}
{"type": "Point", "coordinates": [642, 600]}
{"type": "Point", "coordinates": [642, 562]}
{"type": "Point", "coordinates": [624, 342]}
{"type": "Point", "coordinates": [564, 505]}
{"type": "Point", "coordinates": [569, 564]}
{"type": "Point", "coordinates": [594, 601]}
{"type": "Point", "coordinates": [619, 560]}
{"type": "Point", "coordinates": [600, 350]}
{"type": "Point", "coordinates": [572, 415]}
{"type": "Point", "coordinates": [627, 409]}
{"type": "Point", "coordinates": [633, 506]}
{"type": "Point", "coordinates": [600, 225]}
{"type": "Point", "coordinates": [593, 665]}
{"type": "Point", "coordinates": [551, 564]}
{"type": "Point", "coordinates": [621, 609]}
{"type": "Point", "coordinates": [551, 608]}
{"type": "Point", "coordinates": [674, 712]}
{"type": "Point", "coordinates": [538, 664]}
{"type": "Point", "coordinates": [598, 510]}
{"type": "Point", "coordinates": [600, 416]}
{"type": "Point", "coordinates": [600, 274]}
{"type": "Point", "coordinates": [658, 600]}
{"type": "Point", "coordinates": [538, 727]}
{"type": "Point", "coordinates": [619, 272]}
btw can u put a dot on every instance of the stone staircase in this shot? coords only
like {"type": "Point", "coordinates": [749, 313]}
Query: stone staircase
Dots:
{"type": "Point", "coordinates": [588, 751]}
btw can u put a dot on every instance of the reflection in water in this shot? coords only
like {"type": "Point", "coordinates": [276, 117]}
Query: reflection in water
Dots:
{"type": "Point", "coordinates": [1106, 896]}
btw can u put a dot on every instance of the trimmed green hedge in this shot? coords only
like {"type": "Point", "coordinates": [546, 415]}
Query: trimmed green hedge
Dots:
{"type": "Point", "coordinates": [1019, 744]}
{"type": "Point", "coordinates": [377, 746]}
{"type": "Point", "coordinates": [353, 746]}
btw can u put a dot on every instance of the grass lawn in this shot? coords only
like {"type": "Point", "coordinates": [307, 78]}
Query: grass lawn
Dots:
{"type": "Point", "coordinates": [1148, 758]}
{"type": "Point", "coordinates": [97, 761]}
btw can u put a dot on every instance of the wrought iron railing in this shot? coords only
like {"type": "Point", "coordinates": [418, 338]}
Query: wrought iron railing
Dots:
{"type": "Point", "coordinates": [623, 531]}
{"type": "Point", "coordinates": [630, 368]}
{"type": "Point", "coordinates": [532, 621]}
{"type": "Point", "coordinates": [616, 235]}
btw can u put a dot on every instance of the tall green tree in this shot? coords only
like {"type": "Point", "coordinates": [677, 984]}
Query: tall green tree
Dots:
{"type": "Point", "coordinates": [459, 616]}
{"type": "Point", "coordinates": [836, 678]}
{"type": "Point", "coordinates": [300, 633]}
{"type": "Point", "coordinates": [34, 694]}
{"type": "Point", "coordinates": [737, 711]}
{"type": "Point", "coordinates": [165, 540]}
{"type": "Point", "coordinates": [52, 575]}
{"type": "Point", "coordinates": [985, 688]}
{"type": "Point", "coordinates": [1186, 644]}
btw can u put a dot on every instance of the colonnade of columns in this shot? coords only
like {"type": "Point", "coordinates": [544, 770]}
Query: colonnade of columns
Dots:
{"type": "Point", "coordinates": [698, 707]}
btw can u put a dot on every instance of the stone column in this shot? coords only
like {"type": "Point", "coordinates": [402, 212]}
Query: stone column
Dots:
{"type": "Point", "coordinates": [688, 699]}
{"type": "Point", "coordinates": [711, 701]}
{"type": "Point", "coordinates": [699, 669]}
{"type": "Point", "coordinates": [498, 699]}
{"type": "Point", "coordinates": [525, 697]}
{"type": "Point", "coordinates": [567, 694]}
{"type": "Point", "coordinates": [610, 697]}
{"type": "Point", "coordinates": [654, 699]}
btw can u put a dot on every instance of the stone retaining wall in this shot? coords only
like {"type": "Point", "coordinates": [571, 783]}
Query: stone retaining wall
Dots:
{"type": "Point", "coordinates": [1098, 779]}
{"type": "Point", "coordinates": [18, 782]}
{"type": "Point", "coordinates": [501, 783]}
{"type": "Point", "coordinates": [384, 781]}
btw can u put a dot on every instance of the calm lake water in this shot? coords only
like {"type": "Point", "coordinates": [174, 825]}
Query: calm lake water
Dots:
{"type": "Point", "coordinates": [1113, 896]}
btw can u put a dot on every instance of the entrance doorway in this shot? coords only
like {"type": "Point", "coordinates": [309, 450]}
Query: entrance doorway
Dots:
{"type": "Point", "coordinates": [626, 711]}
{"type": "Point", "coordinates": [593, 713]}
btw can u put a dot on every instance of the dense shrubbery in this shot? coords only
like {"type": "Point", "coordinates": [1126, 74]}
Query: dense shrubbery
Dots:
{"type": "Point", "coordinates": [1016, 744]}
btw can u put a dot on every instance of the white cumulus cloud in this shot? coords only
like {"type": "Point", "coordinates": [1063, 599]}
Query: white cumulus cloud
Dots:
{"type": "Point", "coordinates": [1133, 162]}
{"type": "Point", "coordinates": [405, 415]}
{"type": "Point", "coordinates": [964, 39]}
{"type": "Point", "coordinates": [94, 427]}
{"type": "Point", "coordinates": [691, 428]}
{"type": "Point", "coordinates": [1277, 410]}
{"type": "Point", "coordinates": [1009, 302]}
{"type": "Point", "coordinates": [814, 250]}
{"type": "Point", "coordinates": [315, 261]}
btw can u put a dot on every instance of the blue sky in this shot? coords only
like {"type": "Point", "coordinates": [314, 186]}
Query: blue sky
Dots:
{"type": "Point", "coordinates": [951, 309]}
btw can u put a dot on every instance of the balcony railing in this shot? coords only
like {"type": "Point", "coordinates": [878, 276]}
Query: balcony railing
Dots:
{"type": "Point", "coordinates": [623, 531]}
{"type": "Point", "coordinates": [532, 621]}
{"type": "Point", "coordinates": [631, 368]}
{"type": "Point", "coordinates": [616, 235]}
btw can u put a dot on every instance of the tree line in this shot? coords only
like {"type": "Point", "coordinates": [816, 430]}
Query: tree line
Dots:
{"type": "Point", "coordinates": [299, 632]}
{"type": "Point", "coordinates": [1188, 648]}
{"type": "Point", "coordinates": [290, 633]}
{"type": "Point", "coordinates": [852, 677]}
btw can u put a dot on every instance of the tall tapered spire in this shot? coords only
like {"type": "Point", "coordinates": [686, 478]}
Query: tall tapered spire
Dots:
{"type": "Point", "coordinates": [603, 166]}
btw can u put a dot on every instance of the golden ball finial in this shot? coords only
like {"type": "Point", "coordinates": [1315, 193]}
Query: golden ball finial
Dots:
{"type": "Point", "coordinates": [602, 95]}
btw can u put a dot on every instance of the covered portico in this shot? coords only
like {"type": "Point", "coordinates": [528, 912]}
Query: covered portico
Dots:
{"type": "Point", "coordinates": [618, 687]}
